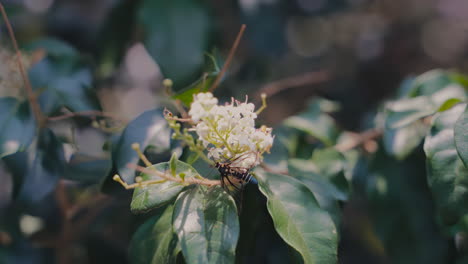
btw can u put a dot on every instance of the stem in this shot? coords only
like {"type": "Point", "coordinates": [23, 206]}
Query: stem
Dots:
{"type": "Point", "coordinates": [85, 113]}
{"type": "Point", "coordinates": [29, 91]}
{"type": "Point", "coordinates": [264, 104]}
{"type": "Point", "coordinates": [229, 58]}
{"type": "Point", "coordinates": [165, 177]}
{"type": "Point", "coordinates": [360, 139]}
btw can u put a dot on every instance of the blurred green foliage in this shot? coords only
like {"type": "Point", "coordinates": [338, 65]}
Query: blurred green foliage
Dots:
{"type": "Point", "coordinates": [393, 190]}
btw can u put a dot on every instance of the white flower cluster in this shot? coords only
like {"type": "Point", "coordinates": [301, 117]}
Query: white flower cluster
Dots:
{"type": "Point", "coordinates": [228, 131]}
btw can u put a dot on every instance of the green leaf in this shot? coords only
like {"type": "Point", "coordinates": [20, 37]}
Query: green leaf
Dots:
{"type": "Point", "coordinates": [447, 176]}
{"type": "Point", "coordinates": [298, 218]}
{"type": "Point", "coordinates": [154, 241]}
{"type": "Point", "coordinates": [206, 223]}
{"type": "Point", "coordinates": [63, 81]}
{"type": "Point", "coordinates": [461, 137]}
{"type": "Point", "coordinates": [155, 195]}
{"type": "Point", "coordinates": [201, 85]}
{"type": "Point", "coordinates": [17, 126]}
{"type": "Point", "coordinates": [148, 129]}
{"type": "Point", "coordinates": [86, 169]}
{"type": "Point", "coordinates": [403, 112]}
{"type": "Point", "coordinates": [400, 142]}
{"type": "Point", "coordinates": [53, 47]}
{"type": "Point", "coordinates": [449, 104]}
{"type": "Point", "coordinates": [176, 35]}
{"type": "Point", "coordinates": [315, 123]}
{"type": "Point", "coordinates": [326, 193]}
{"type": "Point", "coordinates": [172, 164]}
{"type": "Point", "coordinates": [430, 82]}
{"type": "Point", "coordinates": [332, 164]}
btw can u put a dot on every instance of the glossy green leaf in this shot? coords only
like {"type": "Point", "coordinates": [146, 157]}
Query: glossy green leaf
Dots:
{"type": "Point", "coordinates": [461, 137]}
{"type": "Point", "coordinates": [155, 195]}
{"type": "Point", "coordinates": [447, 175]}
{"type": "Point", "coordinates": [176, 35]}
{"type": "Point", "coordinates": [298, 218]}
{"type": "Point", "coordinates": [17, 126]}
{"type": "Point", "coordinates": [64, 81]}
{"type": "Point", "coordinates": [315, 123]}
{"type": "Point", "coordinates": [326, 193]}
{"type": "Point", "coordinates": [206, 223]}
{"type": "Point", "coordinates": [403, 112]}
{"type": "Point", "coordinates": [400, 142]}
{"type": "Point", "coordinates": [332, 165]}
{"type": "Point", "coordinates": [148, 129]}
{"type": "Point", "coordinates": [154, 241]}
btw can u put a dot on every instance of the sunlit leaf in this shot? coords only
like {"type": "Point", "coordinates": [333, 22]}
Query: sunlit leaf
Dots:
{"type": "Point", "coordinates": [461, 137]}
{"type": "Point", "coordinates": [449, 104]}
{"type": "Point", "coordinates": [155, 195]}
{"type": "Point", "coordinates": [315, 123]}
{"type": "Point", "coordinates": [447, 175]}
{"type": "Point", "coordinates": [400, 142]}
{"type": "Point", "coordinates": [17, 126]}
{"type": "Point", "coordinates": [154, 241]}
{"type": "Point", "coordinates": [148, 129]}
{"type": "Point", "coordinates": [206, 223]}
{"type": "Point", "coordinates": [298, 218]}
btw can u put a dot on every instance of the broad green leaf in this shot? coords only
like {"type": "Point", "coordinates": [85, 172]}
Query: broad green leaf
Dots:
{"type": "Point", "coordinates": [315, 123]}
{"type": "Point", "coordinates": [332, 165]}
{"type": "Point", "coordinates": [400, 142]}
{"type": "Point", "coordinates": [148, 129]}
{"type": "Point", "coordinates": [17, 126]}
{"type": "Point", "coordinates": [64, 81]}
{"type": "Point", "coordinates": [154, 241]}
{"type": "Point", "coordinates": [447, 176]}
{"type": "Point", "coordinates": [403, 112]}
{"type": "Point", "coordinates": [298, 218]}
{"type": "Point", "coordinates": [431, 92]}
{"type": "Point", "coordinates": [461, 137]}
{"type": "Point", "coordinates": [430, 82]}
{"type": "Point", "coordinates": [176, 35]}
{"type": "Point", "coordinates": [326, 193]}
{"type": "Point", "coordinates": [155, 195]}
{"type": "Point", "coordinates": [206, 223]}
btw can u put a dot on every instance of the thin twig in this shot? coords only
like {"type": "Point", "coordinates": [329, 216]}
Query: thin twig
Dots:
{"type": "Point", "coordinates": [294, 82]}
{"type": "Point", "coordinates": [359, 139]}
{"type": "Point", "coordinates": [86, 113]}
{"type": "Point", "coordinates": [165, 176]}
{"type": "Point", "coordinates": [29, 91]}
{"type": "Point", "coordinates": [229, 58]}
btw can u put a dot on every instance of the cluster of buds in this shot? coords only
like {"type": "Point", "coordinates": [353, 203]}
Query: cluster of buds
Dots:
{"type": "Point", "coordinates": [227, 131]}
